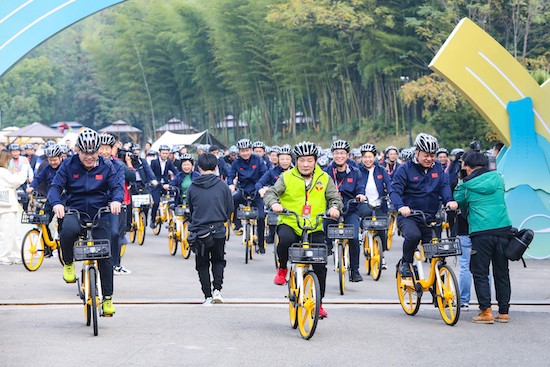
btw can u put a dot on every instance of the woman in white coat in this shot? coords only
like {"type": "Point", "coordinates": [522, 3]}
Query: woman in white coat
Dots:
{"type": "Point", "coordinates": [9, 211]}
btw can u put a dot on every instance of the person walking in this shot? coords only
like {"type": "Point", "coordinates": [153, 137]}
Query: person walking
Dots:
{"type": "Point", "coordinates": [210, 205]}
{"type": "Point", "coordinates": [481, 195]}
{"type": "Point", "coordinates": [9, 209]}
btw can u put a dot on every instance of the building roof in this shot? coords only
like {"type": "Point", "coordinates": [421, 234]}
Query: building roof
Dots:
{"type": "Point", "coordinates": [120, 126]}
{"type": "Point", "coordinates": [175, 124]}
{"type": "Point", "coordinates": [35, 130]}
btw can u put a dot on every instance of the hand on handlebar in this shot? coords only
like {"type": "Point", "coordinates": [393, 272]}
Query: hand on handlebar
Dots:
{"type": "Point", "coordinates": [59, 210]}
{"type": "Point", "coordinates": [232, 188]}
{"type": "Point", "coordinates": [166, 187]}
{"type": "Point", "coordinates": [333, 213]}
{"type": "Point", "coordinates": [404, 211]}
{"type": "Point", "coordinates": [262, 191]}
{"type": "Point", "coordinates": [115, 207]}
{"type": "Point", "coordinates": [361, 198]}
{"type": "Point", "coordinates": [453, 205]}
{"type": "Point", "coordinates": [29, 190]}
{"type": "Point", "coordinates": [277, 208]}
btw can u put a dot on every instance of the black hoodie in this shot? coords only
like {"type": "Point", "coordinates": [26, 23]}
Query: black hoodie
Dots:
{"type": "Point", "coordinates": [210, 203]}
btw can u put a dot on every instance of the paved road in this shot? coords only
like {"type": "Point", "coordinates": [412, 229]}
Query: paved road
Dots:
{"type": "Point", "coordinates": [160, 320]}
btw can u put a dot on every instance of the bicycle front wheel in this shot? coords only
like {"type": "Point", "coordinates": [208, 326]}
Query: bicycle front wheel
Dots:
{"type": "Point", "coordinates": [172, 240]}
{"type": "Point", "coordinates": [293, 299]}
{"type": "Point", "coordinates": [308, 310]}
{"type": "Point", "coordinates": [32, 250]}
{"type": "Point", "coordinates": [185, 250]}
{"type": "Point", "coordinates": [132, 232]}
{"type": "Point", "coordinates": [408, 296]}
{"type": "Point", "coordinates": [140, 230]}
{"type": "Point", "coordinates": [366, 252]}
{"type": "Point", "coordinates": [93, 298]}
{"type": "Point", "coordinates": [247, 243]}
{"type": "Point", "coordinates": [391, 229]}
{"type": "Point", "coordinates": [158, 223]}
{"type": "Point", "coordinates": [341, 269]}
{"type": "Point", "coordinates": [447, 295]}
{"type": "Point", "coordinates": [376, 258]}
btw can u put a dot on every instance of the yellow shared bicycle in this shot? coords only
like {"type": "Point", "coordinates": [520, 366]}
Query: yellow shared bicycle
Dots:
{"type": "Point", "coordinates": [140, 203]}
{"type": "Point", "coordinates": [164, 213]}
{"type": "Point", "coordinates": [178, 231]}
{"type": "Point", "coordinates": [441, 281]}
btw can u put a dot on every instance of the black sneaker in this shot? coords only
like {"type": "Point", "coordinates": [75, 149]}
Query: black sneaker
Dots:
{"type": "Point", "coordinates": [152, 225]}
{"type": "Point", "coordinates": [355, 276]}
{"type": "Point", "coordinates": [262, 250]}
{"type": "Point", "coordinates": [405, 270]}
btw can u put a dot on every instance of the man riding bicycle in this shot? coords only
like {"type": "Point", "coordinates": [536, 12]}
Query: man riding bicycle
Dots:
{"type": "Point", "coordinates": [306, 190]}
{"type": "Point", "coordinates": [90, 182]}
{"type": "Point", "coordinates": [419, 184]}
{"type": "Point", "coordinates": [350, 185]}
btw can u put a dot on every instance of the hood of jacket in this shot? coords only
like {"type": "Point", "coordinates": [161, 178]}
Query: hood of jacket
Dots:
{"type": "Point", "coordinates": [483, 181]}
{"type": "Point", "coordinates": [206, 181]}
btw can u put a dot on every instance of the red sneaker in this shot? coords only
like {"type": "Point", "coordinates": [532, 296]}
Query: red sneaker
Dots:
{"type": "Point", "coordinates": [280, 278]}
{"type": "Point", "coordinates": [322, 312]}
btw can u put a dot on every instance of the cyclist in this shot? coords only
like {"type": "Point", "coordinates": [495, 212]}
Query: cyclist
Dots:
{"type": "Point", "coordinates": [284, 159]}
{"type": "Point", "coordinates": [233, 154]}
{"type": "Point", "coordinates": [161, 167]}
{"type": "Point", "coordinates": [184, 178]}
{"type": "Point", "coordinates": [350, 185]}
{"type": "Point", "coordinates": [377, 185]}
{"type": "Point", "coordinates": [34, 160]}
{"type": "Point", "coordinates": [248, 168]}
{"type": "Point", "coordinates": [128, 176]}
{"type": "Point", "coordinates": [258, 148]}
{"type": "Point", "coordinates": [90, 182]}
{"type": "Point", "coordinates": [419, 184]}
{"type": "Point", "coordinates": [274, 154]}
{"type": "Point", "coordinates": [356, 156]}
{"type": "Point", "coordinates": [391, 153]}
{"type": "Point", "coordinates": [307, 190]}
{"type": "Point", "coordinates": [442, 155]}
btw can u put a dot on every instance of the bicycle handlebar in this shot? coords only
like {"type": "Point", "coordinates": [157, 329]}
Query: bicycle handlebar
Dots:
{"type": "Point", "coordinates": [303, 227]}
{"type": "Point", "coordinates": [94, 220]}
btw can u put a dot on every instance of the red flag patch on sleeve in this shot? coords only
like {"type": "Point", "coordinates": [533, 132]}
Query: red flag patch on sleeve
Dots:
{"type": "Point", "coordinates": [350, 179]}
{"type": "Point", "coordinates": [99, 177]}
{"type": "Point", "coordinates": [435, 175]}
{"type": "Point", "coordinates": [379, 177]}
{"type": "Point", "coordinates": [76, 175]}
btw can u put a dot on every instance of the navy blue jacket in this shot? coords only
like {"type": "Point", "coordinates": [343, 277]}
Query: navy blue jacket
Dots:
{"type": "Point", "coordinates": [163, 177]}
{"type": "Point", "coordinates": [269, 178]}
{"type": "Point", "coordinates": [86, 191]}
{"type": "Point", "coordinates": [391, 168]}
{"type": "Point", "coordinates": [420, 189]}
{"type": "Point", "coordinates": [247, 172]}
{"type": "Point", "coordinates": [381, 179]}
{"type": "Point", "coordinates": [43, 180]}
{"type": "Point", "coordinates": [145, 172]}
{"type": "Point", "coordinates": [350, 185]}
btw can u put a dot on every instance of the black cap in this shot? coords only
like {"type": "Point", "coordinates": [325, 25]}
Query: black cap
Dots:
{"type": "Point", "coordinates": [213, 148]}
{"type": "Point", "coordinates": [473, 159]}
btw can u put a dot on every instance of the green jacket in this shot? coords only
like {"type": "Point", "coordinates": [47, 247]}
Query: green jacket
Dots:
{"type": "Point", "coordinates": [481, 196]}
{"type": "Point", "coordinates": [290, 191]}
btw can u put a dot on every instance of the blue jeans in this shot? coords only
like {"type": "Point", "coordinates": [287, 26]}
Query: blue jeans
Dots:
{"type": "Point", "coordinates": [465, 278]}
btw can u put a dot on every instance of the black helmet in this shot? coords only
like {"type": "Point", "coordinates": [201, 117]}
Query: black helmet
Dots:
{"type": "Point", "coordinates": [244, 144]}
{"type": "Point", "coordinates": [368, 148]}
{"type": "Point", "coordinates": [88, 141]}
{"type": "Point", "coordinates": [426, 143]}
{"type": "Point", "coordinates": [107, 139]}
{"type": "Point", "coordinates": [306, 148]}
{"type": "Point", "coordinates": [285, 149]}
{"type": "Point", "coordinates": [340, 144]}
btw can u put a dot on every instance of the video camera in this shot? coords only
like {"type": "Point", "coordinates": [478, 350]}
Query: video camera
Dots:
{"type": "Point", "coordinates": [122, 153]}
{"type": "Point", "coordinates": [476, 146]}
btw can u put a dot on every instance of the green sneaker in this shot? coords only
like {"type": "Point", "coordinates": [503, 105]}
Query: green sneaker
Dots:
{"type": "Point", "coordinates": [68, 273]}
{"type": "Point", "coordinates": [108, 306]}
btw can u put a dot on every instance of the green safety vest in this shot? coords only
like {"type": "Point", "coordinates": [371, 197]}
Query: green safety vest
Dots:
{"type": "Point", "coordinates": [294, 197]}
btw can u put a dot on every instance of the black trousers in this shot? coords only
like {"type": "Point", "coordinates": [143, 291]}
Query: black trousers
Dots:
{"type": "Point", "coordinates": [365, 210]}
{"type": "Point", "coordinates": [156, 193]}
{"type": "Point", "coordinates": [413, 230]}
{"type": "Point", "coordinates": [287, 237]}
{"type": "Point", "coordinates": [258, 202]}
{"type": "Point", "coordinates": [69, 234]}
{"type": "Point", "coordinates": [487, 250]}
{"type": "Point", "coordinates": [213, 256]}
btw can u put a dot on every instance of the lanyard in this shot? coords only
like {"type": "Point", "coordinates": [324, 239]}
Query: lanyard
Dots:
{"type": "Point", "coordinates": [335, 179]}
{"type": "Point", "coordinates": [390, 171]}
{"type": "Point", "coordinates": [308, 191]}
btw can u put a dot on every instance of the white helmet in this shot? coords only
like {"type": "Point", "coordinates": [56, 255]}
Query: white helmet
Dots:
{"type": "Point", "coordinates": [88, 141]}
{"type": "Point", "coordinates": [306, 148]}
{"type": "Point", "coordinates": [426, 143]}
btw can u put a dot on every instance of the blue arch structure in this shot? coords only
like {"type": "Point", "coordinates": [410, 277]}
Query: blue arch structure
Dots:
{"type": "Point", "coordinates": [25, 24]}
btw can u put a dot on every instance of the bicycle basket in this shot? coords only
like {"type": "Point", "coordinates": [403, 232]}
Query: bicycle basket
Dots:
{"type": "Point", "coordinates": [33, 217]}
{"type": "Point", "coordinates": [380, 224]}
{"type": "Point", "coordinates": [445, 247]}
{"type": "Point", "coordinates": [167, 198]}
{"type": "Point", "coordinates": [249, 212]}
{"type": "Point", "coordinates": [272, 219]}
{"type": "Point", "coordinates": [141, 200]}
{"type": "Point", "coordinates": [347, 232]}
{"type": "Point", "coordinates": [315, 253]}
{"type": "Point", "coordinates": [181, 211]}
{"type": "Point", "coordinates": [96, 249]}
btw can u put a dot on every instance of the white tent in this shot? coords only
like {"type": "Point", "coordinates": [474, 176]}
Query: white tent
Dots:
{"type": "Point", "coordinates": [170, 138]}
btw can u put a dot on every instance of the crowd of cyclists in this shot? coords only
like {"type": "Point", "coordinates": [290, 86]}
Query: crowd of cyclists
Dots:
{"type": "Point", "coordinates": [306, 178]}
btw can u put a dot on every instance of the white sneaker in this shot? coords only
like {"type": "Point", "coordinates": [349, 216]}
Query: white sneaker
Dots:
{"type": "Point", "coordinates": [217, 296]}
{"type": "Point", "coordinates": [464, 307]}
{"type": "Point", "coordinates": [208, 301]}
{"type": "Point", "coordinates": [384, 266]}
{"type": "Point", "coordinates": [121, 270]}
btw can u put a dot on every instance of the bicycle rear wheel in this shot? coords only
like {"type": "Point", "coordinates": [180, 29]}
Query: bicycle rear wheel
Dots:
{"type": "Point", "coordinates": [376, 259]}
{"type": "Point", "coordinates": [93, 298]}
{"type": "Point", "coordinates": [391, 229]}
{"type": "Point", "coordinates": [185, 250]}
{"type": "Point", "coordinates": [158, 223]}
{"type": "Point", "coordinates": [140, 230]}
{"type": "Point", "coordinates": [408, 296]}
{"type": "Point", "coordinates": [172, 240]}
{"type": "Point", "coordinates": [366, 252]}
{"type": "Point", "coordinates": [448, 299]}
{"type": "Point", "coordinates": [293, 299]}
{"type": "Point", "coordinates": [32, 250]}
{"type": "Point", "coordinates": [247, 245]}
{"type": "Point", "coordinates": [341, 269]}
{"type": "Point", "coordinates": [132, 231]}
{"type": "Point", "coordinates": [308, 311]}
